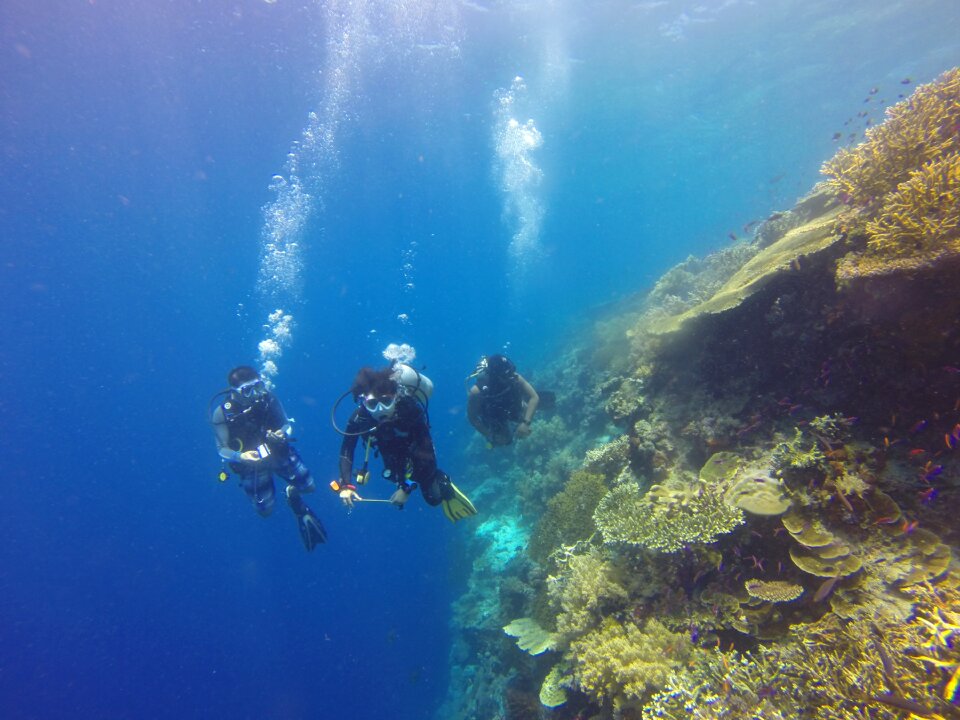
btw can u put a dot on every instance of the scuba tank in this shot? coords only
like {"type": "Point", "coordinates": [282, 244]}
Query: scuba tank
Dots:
{"type": "Point", "coordinates": [413, 383]}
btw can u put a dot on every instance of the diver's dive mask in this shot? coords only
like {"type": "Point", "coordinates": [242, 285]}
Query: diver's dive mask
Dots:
{"type": "Point", "coordinates": [251, 389]}
{"type": "Point", "coordinates": [379, 407]}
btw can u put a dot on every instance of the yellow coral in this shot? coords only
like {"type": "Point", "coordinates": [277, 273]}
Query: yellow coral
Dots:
{"type": "Point", "coordinates": [586, 588]}
{"type": "Point", "coordinates": [667, 518]}
{"type": "Point", "coordinates": [903, 184]}
{"type": "Point", "coordinates": [552, 691]}
{"type": "Point", "coordinates": [776, 591]}
{"type": "Point", "coordinates": [531, 637]}
{"type": "Point", "coordinates": [917, 225]}
{"type": "Point", "coordinates": [621, 664]}
{"type": "Point", "coordinates": [918, 130]}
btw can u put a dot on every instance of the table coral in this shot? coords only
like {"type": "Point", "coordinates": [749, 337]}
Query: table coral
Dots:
{"type": "Point", "coordinates": [666, 518]}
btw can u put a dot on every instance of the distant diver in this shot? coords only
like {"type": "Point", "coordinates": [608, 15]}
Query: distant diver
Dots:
{"type": "Point", "coordinates": [255, 440]}
{"type": "Point", "coordinates": [391, 417]}
{"type": "Point", "coordinates": [501, 404]}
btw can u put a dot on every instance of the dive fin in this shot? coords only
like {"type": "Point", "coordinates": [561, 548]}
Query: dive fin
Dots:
{"type": "Point", "coordinates": [312, 532]}
{"type": "Point", "coordinates": [457, 506]}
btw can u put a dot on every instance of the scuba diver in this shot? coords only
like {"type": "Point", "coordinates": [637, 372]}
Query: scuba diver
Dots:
{"type": "Point", "coordinates": [254, 437]}
{"type": "Point", "coordinates": [500, 398]}
{"type": "Point", "coordinates": [391, 416]}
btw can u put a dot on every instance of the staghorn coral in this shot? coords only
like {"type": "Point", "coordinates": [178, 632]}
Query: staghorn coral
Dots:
{"type": "Point", "coordinates": [620, 664]}
{"type": "Point", "coordinates": [728, 686]}
{"type": "Point", "coordinates": [903, 185]}
{"type": "Point", "coordinates": [917, 131]}
{"type": "Point", "coordinates": [917, 226]}
{"type": "Point", "coordinates": [666, 518]}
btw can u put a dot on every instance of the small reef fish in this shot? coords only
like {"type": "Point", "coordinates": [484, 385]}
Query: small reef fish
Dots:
{"type": "Point", "coordinates": [928, 495]}
{"type": "Point", "coordinates": [874, 90]}
{"type": "Point", "coordinates": [905, 81]}
{"type": "Point", "coordinates": [918, 426]}
{"type": "Point", "coordinates": [824, 590]}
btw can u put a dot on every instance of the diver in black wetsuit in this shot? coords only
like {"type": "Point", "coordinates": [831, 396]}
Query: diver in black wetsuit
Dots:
{"type": "Point", "coordinates": [391, 418]}
{"type": "Point", "coordinates": [254, 436]}
{"type": "Point", "coordinates": [502, 403]}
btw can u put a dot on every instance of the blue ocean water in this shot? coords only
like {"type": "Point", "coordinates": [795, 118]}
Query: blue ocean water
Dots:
{"type": "Point", "coordinates": [481, 175]}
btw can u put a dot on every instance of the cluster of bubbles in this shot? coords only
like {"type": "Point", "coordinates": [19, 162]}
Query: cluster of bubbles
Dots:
{"type": "Point", "coordinates": [279, 335]}
{"type": "Point", "coordinates": [519, 176]}
{"type": "Point", "coordinates": [402, 353]}
{"type": "Point", "coordinates": [360, 33]}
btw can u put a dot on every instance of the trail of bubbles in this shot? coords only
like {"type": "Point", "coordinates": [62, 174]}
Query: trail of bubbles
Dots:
{"type": "Point", "coordinates": [361, 33]}
{"type": "Point", "coordinates": [519, 176]}
{"type": "Point", "coordinates": [312, 161]}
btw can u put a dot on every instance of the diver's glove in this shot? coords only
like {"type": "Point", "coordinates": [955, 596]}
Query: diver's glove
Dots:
{"type": "Point", "coordinates": [348, 495]}
{"type": "Point", "coordinates": [347, 492]}
{"type": "Point", "coordinates": [402, 494]}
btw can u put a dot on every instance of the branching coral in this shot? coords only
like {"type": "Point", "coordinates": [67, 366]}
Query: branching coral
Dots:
{"type": "Point", "coordinates": [610, 458]}
{"type": "Point", "coordinates": [620, 664]}
{"type": "Point", "coordinates": [587, 587]}
{"type": "Point", "coordinates": [918, 224]}
{"type": "Point", "coordinates": [918, 130]}
{"type": "Point", "coordinates": [666, 518]}
{"type": "Point", "coordinates": [903, 184]}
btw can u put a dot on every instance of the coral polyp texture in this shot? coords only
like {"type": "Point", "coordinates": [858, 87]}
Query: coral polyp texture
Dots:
{"type": "Point", "coordinates": [622, 664]}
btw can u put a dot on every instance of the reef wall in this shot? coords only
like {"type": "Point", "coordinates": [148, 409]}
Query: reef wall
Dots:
{"type": "Point", "coordinates": [742, 504]}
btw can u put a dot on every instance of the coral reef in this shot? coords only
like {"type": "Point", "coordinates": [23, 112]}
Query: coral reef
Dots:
{"type": "Point", "coordinates": [587, 588]}
{"type": "Point", "coordinates": [903, 185]}
{"type": "Point", "coordinates": [667, 518]}
{"type": "Point", "coordinates": [918, 130]}
{"type": "Point", "coordinates": [622, 663]}
{"type": "Point", "coordinates": [569, 515]}
{"type": "Point", "coordinates": [918, 225]}
{"type": "Point", "coordinates": [743, 504]}
{"type": "Point", "coordinates": [531, 637]}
